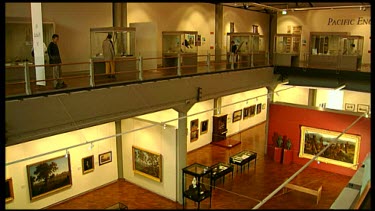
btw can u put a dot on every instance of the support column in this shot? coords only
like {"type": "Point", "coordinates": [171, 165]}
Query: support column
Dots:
{"type": "Point", "coordinates": [218, 31]}
{"type": "Point", "coordinates": [38, 44]}
{"type": "Point", "coordinates": [217, 106]}
{"type": "Point", "coordinates": [270, 90]}
{"type": "Point", "coordinates": [120, 173]}
{"type": "Point", "coordinates": [273, 31]}
{"type": "Point", "coordinates": [119, 14]}
{"type": "Point", "coordinates": [181, 147]}
{"type": "Point", "coordinates": [312, 97]}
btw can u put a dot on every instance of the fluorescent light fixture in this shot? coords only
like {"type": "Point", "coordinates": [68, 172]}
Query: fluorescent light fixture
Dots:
{"type": "Point", "coordinates": [66, 153]}
{"type": "Point", "coordinates": [340, 87]}
{"type": "Point", "coordinates": [284, 83]}
{"type": "Point", "coordinates": [284, 12]}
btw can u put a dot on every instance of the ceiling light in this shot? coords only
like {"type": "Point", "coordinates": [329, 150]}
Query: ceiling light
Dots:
{"type": "Point", "coordinates": [340, 87]}
{"type": "Point", "coordinates": [284, 12]}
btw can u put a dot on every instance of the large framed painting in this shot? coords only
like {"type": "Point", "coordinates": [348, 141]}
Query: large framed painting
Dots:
{"type": "Point", "coordinates": [147, 163]}
{"type": "Point", "coordinates": [9, 195]}
{"type": "Point", "coordinates": [49, 176]}
{"type": "Point", "coordinates": [194, 130]}
{"type": "Point", "coordinates": [344, 152]}
{"type": "Point", "coordinates": [88, 164]}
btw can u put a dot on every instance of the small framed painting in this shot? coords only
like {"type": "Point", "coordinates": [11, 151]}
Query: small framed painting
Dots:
{"type": "Point", "coordinates": [349, 107]}
{"type": "Point", "coordinates": [87, 164]}
{"type": "Point", "coordinates": [105, 158]}
{"type": "Point", "coordinates": [9, 195]}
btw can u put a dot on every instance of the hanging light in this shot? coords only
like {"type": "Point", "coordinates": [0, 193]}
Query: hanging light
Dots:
{"type": "Point", "coordinates": [284, 12]}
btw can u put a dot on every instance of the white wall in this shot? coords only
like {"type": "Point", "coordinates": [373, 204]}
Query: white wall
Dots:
{"type": "Point", "coordinates": [356, 98]}
{"type": "Point", "coordinates": [295, 95]}
{"type": "Point", "coordinates": [318, 21]}
{"type": "Point", "coordinates": [80, 182]}
{"type": "Point", "coordinates": [229, 105]}
{"type": "Point", "coordinates": [155, 139]}
{"type": "Point", "coordinates": [194, 113]}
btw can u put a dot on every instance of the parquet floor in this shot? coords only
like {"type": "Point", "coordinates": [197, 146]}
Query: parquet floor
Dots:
{"type": "Point", "coordinates": [244, 191]}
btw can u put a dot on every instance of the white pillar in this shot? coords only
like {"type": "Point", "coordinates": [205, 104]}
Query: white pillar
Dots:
{"type": "Point", "coordinates": [37, 25]}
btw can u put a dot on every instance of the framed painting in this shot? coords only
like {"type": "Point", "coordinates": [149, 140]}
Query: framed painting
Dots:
{"type": "Point", "coordinates": [259, 108]}
{"type": "Point", "coordinates": [9, 195]}
{"type": "Point", "coordinates": [237, 116]}
{"type": "Point", "coordinates": [363, 108]}
{"type": "Point", "coordinates": [344, 152]}
{"type": "Point", "coordinates": [349, 107]}
{"type": "Point", "coordinates": [204, 126]}
{"type": "Point", "coordinates": [194, 130]}
{"type": "Point", "coordinates": [252, 110]}
{"type": "Point", "coordinates": [105, 158]}
{"type": "Point", "coordinates": [147, 163]}
{"type": "Point", "coordinates": [88, 164]}
{"type": "Point", "coordinates": [246, 112]}
{"type": "Point", "coordinates": [49, 176]}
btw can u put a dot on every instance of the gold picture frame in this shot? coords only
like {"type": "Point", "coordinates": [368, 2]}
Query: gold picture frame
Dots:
{"type": "Point", "coordinates": [88, 164]}
{"type": "Point", "coordinates": [49, 176]}
{"type": "Point", "coordinates": [9, 194]}
{"type": "Point", "coordinates": [237, 115]}
{"type": "Point", "coordinates": [344, 152]}
{"type": "Point", "coordinates": [147, 163]}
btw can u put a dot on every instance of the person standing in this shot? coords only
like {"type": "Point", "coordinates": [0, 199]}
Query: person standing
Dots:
{"type": "Point", "coordinates": [54, 58]}
{"type": "Point", "coordinates": [109, 56]}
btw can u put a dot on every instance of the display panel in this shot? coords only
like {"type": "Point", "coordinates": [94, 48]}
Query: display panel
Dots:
{"type": "Point", "coordinates": [147, 163]}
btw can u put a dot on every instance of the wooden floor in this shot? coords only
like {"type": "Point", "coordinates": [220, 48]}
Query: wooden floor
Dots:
{"type": "Point", "coordinates": [244, 191]}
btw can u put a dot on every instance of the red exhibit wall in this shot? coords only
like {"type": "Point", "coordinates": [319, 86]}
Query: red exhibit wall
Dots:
{"type": "Point", "coordinates": [286, 121]}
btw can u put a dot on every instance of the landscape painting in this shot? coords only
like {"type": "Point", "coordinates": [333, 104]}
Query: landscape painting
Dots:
{"type": "Point", "coordinates": [344, 152]}
{"type": "Point", "coordinates": [49, 176]}
{"type": "Point", "coordinates": [147, 163]}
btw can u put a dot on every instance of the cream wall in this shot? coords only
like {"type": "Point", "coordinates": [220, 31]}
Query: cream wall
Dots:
{"type": "Point", "coordinates": [81, 183]}
{"type": "Point", "coordinates": [243, 22]}
{"type": "Point", "coordinates": [318, 21]}
{"type": "Point", "coordinates": [155, 139]}
{"type": "Point", "coordinates": [195, 113]}
{"type": "Point", "coordinates": [288, 94]}
{"type": "Point", "coordinates": [356, 98]}
{"type": "Point", "coordinates": [185, 16]}
{"type": "Point", "coordinates": [229, 105]}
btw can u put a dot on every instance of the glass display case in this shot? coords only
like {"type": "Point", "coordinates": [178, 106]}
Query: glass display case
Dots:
{"type": "Point", "coordinates": [193, 186]}
{"type": "Point", "coordinates": [287, 49]}
{"type": "Point", "coordinates": [123, 39]}
{"type": "Point", "coordinates": [248, 48]}
{"type": "Point", "coordinates": [335, 50]}
{"type": "Point", "coordinates": [183, 43]}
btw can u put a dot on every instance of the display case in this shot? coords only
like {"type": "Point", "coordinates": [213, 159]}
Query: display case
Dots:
{"type": "Point", "coordinates": [182, 43]}
{"type": "Point", "coordinates": [248, 48]}
{"type": "Point", "coordinates": [286, 49]}
{"type": "Point", "coordinates": [335, 50]}
{"type": "Point", "coordinates": [219, 127]}
{"type": "Point", "coordinates": [123, 39]}
{"type": "Point", "coordinates": [193, 185]}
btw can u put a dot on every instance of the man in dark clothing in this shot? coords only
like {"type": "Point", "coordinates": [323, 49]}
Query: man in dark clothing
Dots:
{"type": "Point", "coordinates": [54, 58]}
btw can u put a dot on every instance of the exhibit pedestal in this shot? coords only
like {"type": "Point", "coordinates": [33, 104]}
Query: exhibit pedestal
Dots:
{"type": "Point", "coordinates": [278, 154]}
{"type": "Point", "coordinates": [287, 156]}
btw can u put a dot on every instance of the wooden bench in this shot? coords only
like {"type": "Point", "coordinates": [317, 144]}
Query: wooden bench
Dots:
{"type": "Point", "coordinates": [316, 193]}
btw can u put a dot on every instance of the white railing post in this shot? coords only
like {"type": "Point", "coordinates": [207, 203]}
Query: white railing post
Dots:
{"type": "Point", "coordinates": [140, 68]}
{"type": "Point", "coordinates": [27, 79]}
{"type": "Point", "coordinates": [208, 62]}
{"type": "Point", "coordinates": [92, 78]}
{"type": "Point", "coordinates": [179, 61]}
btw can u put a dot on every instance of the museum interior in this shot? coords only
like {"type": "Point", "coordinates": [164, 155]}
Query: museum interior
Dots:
{"type": "Point", "coordinates": [250, 105]}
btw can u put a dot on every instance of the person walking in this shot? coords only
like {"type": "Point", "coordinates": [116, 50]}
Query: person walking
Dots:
{"type": "Point", "coordinates": [109, 56]}
{"type": "Point", "coordinates": [54, 58]}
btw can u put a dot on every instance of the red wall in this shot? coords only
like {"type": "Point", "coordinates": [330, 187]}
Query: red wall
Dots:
{"type": "Point", "coordinates": [286, 121]}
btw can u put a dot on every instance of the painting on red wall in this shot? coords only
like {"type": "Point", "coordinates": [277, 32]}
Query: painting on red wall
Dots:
{"type": "Point", "coordinates": [343, 152]}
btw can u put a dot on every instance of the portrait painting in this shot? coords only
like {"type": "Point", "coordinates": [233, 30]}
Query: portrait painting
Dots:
{"type": "Point", "coordinates": [147, 163]}
{"type": "Point", "coordinates": [204, 126]}
{"type": "Point", "coordinates": [246, 112]}
{"type": "Point", "coordinates": [252, 110]}
{"type": "Point", "coordinates": [105, 158]}
{"type": "Point", "coordinates": [194, 130]}
{"type": "Point", "coordinates": [49, 176]}
{"type": "Point", "coordinates": [259, 108]}
{"type": "Point", "coordinates": [343, 152]}
{"type": "Point", "coordinates": [88, 164]}
{"type": "Point", "coordinates": [9, 195]}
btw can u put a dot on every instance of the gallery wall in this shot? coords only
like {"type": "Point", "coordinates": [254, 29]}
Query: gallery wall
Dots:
{"type": "Point", "coordinates": [326, 21]}
{"type": "Point", "coordinates": [289, 94]}
{"type": "Point", "coordinates": [157, 140]}
{"type": "Point", "coordinates": [102, 174]}
{"type": "Point", "coordinates": [286, 120]}
{"type": "Point", "coordinates": [229, 105]}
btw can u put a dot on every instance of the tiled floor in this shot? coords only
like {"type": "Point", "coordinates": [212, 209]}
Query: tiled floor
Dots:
{"type": "Point", "coordinates": [244, 191]}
